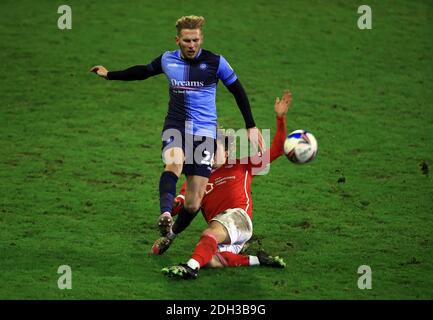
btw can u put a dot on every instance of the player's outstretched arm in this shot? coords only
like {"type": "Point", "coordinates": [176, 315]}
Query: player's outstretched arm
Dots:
{"type": "Point", "coordinates": [281, 106]}
{"type": "Point", "coordinates": [139, 72]}
{"type": "Point", "coordinates": [276, 150]}
{"type": "Point", "coordinates": [254, 134]}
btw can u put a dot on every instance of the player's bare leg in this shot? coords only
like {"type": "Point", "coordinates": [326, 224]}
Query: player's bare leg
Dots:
{"type": "Point", "coordinates": [215, 262]}
{"type": "Point", "coordinates": [195, 189]}
{"type": "Point", "coordinates": [196, 186]}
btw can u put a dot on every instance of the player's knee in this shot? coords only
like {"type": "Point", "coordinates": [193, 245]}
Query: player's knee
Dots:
{"type": "Point", "coordinates": [192, 207]}
{"type": "Point", "coordinates": [209, 232]}
{"type": "Point", "coordinates": [192, 202]}
{"type": "Point", "coordinates": [216, 230]}
{"type": "Point", "coordinates": [175, 168]}
{"type": "Point", "coordinates": [218, 234]}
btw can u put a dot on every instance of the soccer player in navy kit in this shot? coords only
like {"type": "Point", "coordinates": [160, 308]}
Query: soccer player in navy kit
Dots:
{"type": "Point", "coordinates": [189, 132]}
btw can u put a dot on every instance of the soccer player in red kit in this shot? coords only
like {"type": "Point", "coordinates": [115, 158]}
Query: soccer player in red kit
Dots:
{"type": "Point", "coordinates": [227, 208]}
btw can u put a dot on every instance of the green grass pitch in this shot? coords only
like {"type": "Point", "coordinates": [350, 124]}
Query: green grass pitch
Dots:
{"type": "Point", "coordinates": [80, 156]}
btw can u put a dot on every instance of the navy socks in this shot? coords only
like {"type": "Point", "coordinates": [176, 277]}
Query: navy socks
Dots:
{"type": "Point", "coordinates": [167, 191]}
{"type": "Point", "coordinates": [183, 220]}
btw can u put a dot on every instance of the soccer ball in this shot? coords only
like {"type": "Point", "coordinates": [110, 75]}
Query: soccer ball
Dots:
{"type": "Point", "coordinates": [300, 146]}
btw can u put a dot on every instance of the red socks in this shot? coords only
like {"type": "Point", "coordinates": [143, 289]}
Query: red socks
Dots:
{"type": "Point", "coordinates": [229, 259]}
{"type": "Point", "coordinates": [205, 249]}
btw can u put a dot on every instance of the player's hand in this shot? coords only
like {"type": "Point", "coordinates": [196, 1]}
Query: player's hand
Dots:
{"type": "Point", "coordinates": [256, 138]}
{"type": "Point", "coordinates": [281, 106]}
{"type": "Point", "coordinates": [100, 71]}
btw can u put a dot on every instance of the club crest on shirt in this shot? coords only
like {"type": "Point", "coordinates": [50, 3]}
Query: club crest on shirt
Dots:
{"type": "Point", "coordinates": [209, 187]}
{"type": "Point", "coordinates": [203, 66]}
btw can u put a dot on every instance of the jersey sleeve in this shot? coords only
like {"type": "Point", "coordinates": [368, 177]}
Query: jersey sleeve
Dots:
{"type": "Point", "coordinates": [260, 162]}
{"type": "Point", "coordinates": [277, 146]}
{"type": "Point", "coordinates": [225, 72]}
{"type": "Point", "coordinates": [155, 67]}
{"type": "Point", "coordinates": [138, 72]}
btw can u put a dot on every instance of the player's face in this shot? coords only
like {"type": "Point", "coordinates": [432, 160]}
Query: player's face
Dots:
{"type": "Point", "coordinates": [189, 42]}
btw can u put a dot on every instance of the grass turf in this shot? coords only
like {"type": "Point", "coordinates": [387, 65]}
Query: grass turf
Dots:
{"type": "Point", "coordinates": [80, 157]}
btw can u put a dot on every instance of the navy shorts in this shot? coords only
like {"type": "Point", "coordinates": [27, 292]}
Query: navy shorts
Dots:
{"type": "Point", "coordinates": [199, 150]}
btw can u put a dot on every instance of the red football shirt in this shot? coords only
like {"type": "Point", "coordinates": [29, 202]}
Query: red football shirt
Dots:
{"type": "Point", "coordinates": [229, 186]}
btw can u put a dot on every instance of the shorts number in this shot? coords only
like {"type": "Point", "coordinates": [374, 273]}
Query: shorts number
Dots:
{"type": "Point", "coordinates": [207, 158]}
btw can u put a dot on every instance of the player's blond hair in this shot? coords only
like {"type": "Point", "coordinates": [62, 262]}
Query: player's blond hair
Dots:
{"type": "Point", "coordinates": [189, 22]}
